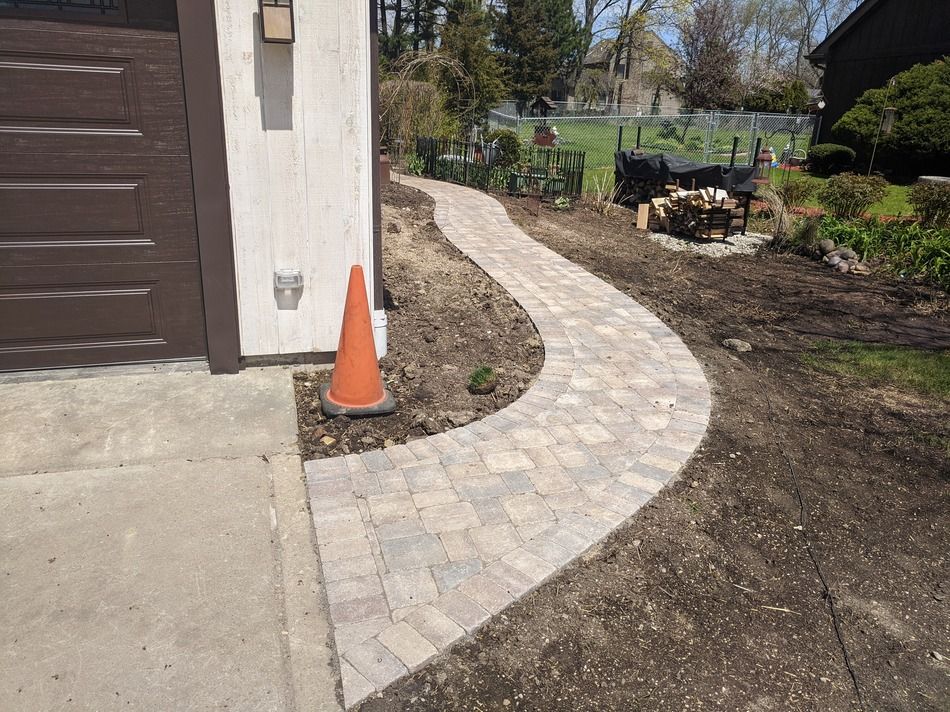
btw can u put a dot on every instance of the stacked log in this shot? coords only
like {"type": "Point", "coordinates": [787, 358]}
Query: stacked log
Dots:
{"type": "Point", "coordinates": [707, 213]}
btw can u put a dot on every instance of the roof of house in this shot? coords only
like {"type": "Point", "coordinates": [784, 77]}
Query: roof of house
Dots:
{"type": "Point", "coordinates": [820, 53]}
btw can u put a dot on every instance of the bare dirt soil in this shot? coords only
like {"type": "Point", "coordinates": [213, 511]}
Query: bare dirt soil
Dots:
{"type": "Point", "coordinates": [713, 598]}
{"type": "Point", "coordinates": [446, 319]}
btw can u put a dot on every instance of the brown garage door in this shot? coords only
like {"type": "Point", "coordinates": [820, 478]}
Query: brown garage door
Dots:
{"type": "Point", "coordinates": [98, 245]}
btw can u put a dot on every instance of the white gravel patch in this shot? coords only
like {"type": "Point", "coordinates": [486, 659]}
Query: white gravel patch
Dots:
{"type": "Point", "coordinates": [736, 245]}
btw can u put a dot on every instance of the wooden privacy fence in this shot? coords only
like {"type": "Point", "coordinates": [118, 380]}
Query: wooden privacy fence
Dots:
{"type": "Point", "coordinates": [548, 172]}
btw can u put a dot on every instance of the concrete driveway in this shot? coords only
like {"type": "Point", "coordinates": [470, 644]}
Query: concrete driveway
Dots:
{"type": "Point", "coordinates": [155, 545]}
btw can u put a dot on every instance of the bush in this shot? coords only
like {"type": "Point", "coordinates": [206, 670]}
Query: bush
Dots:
{"type": "Point", "coordinates": [829, 158]}
{"type": "Point", "coordinates": [920, 140]}
{"type": "Point", "coordinates": [509, 146]}
{"type": "Point", "coordinates": [409, 108]}
{"type": "Point", "coordinates": [849, 196]}
{"type": "Point", "coordinates": [911, 250]}
{"type": "Point", "coordinates": [796, 193]}
{"type": "Point", "coordinates": [415, 166]}
{"type": "Point", "coordinates": [931, 202]}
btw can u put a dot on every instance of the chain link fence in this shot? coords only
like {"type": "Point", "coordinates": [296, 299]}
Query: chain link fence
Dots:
{"type": "Point", "coordinates": [702, 136]}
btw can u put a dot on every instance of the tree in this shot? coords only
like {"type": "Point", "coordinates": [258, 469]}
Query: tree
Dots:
{"type": "Point", "coordinates": [920, 139]}
{"type": "Point", "coordinates": [466, 39]}
{"type": "Point", "coordinates": [708, 40]}
{"type": "Point", "coordinates": [790, 97]}
{"type": "Point", "coordinates": [540, 40]}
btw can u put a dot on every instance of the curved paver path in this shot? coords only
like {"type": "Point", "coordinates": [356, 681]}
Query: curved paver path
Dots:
{"type": "Point", "coordinates": [421, 543]}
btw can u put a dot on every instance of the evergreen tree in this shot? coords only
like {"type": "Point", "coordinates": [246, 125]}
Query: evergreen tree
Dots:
{"type": "Point", "coordinates": [466, 38]}
{"type": "Point", "coordinates": [540, 39]}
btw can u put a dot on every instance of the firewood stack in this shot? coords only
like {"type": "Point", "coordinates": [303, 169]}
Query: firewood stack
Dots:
{"type": "Point", "coordinates": [707, 213]}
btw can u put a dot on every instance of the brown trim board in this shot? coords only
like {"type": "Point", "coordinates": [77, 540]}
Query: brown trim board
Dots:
{"type": "Point", "coordinates": [200, 68]}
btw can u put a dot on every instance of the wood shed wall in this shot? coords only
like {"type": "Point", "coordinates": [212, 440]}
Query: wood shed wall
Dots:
{"type": "Point", "coordinates": [297, 121]}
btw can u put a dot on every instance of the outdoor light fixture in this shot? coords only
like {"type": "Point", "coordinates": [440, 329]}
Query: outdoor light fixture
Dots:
{"type": "Point", "coordinates": [277, 21]}
{"type": "Point", "coordinates": [763, 167]}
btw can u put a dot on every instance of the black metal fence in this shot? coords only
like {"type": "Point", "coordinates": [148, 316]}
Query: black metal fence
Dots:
{"type": "Point", "coordinates": [548, 172]}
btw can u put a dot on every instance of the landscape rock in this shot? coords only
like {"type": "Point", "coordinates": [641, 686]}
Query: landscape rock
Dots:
{"type": "Point", "coordinates": [459, 418]}
{"type": "Point", "coordinates": [826, 246]}
{"type": "Point", "coordinates": [848, 254]}
{"type": "Point", "coordinates": [737, 345]}
{"type": "Point", "coordinates": [834, 261]}
{"type": "Point", "coordinates": [843, 267]}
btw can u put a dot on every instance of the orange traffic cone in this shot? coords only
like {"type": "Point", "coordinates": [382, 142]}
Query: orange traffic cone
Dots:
{"type": "Point", "coordinates": [356, 387]}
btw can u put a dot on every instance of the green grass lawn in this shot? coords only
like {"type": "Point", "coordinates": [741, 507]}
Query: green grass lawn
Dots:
{"type": "Point", "coordinates": [918, 370]}
{"type": "Point", "coordinates": [895, 203]}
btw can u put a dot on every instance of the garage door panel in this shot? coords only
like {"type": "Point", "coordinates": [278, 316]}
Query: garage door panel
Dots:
{"type": "Point", "coordinates": [114, 90]}
{"type": "Point", "coordinates": [98, 236]}
{"type": "Point", "coordinates": [98, 314]}
{"type": "Point", "coordinates": [76, 210]}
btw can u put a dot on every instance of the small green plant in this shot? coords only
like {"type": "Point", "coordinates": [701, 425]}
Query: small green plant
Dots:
{"type": "Point", "coordinates": [931, 202]}
{"type": "Point", "coordinates": [830, 158]}
{"type": "Point", "coordinates": [482, 380]}
{"type": "Point", "coordinates": [908, 249]}
{"type": "Point", "coordinates": [562, 203]}
{"type": "Point", "coordinates": [849, 195]}
{"type": "Point", "coordinates": [601, 198]}
{"type": "Point", "coordinates": [509, 146]}
{"type": "Point", "coordinates": [415, 166]}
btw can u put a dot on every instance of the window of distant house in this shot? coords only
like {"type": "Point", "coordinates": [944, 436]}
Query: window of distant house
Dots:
{"type": "Point", "coordinates": [621, 69]}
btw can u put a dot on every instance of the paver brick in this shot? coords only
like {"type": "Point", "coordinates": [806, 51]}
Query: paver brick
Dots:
{"type": "Point", "coordinates": [409, 587]}
{"type": "Point", "coordinates": [494, 540]}
{"type": "Point", "coordinates": [407, 644]}
{"type": "Point", "coordinates": [375, 663]}
{"type": "Point", "coordinates": [507, 461]}
{"type": "Point", "coordinates": [527, 508]}
{"type": "Point", "coordinates": [436, 626]}
{"type": "Point", "coordinates": [425, 478]}
{"type": "Point", "coordinates": [486, 592]}
{"type": "Point", "coordinates": [482, 487]}
{"type": "Point", "coordinates": [449, 517]}
{"type": "Point", "coordinates": [450, 575]}
{"type": "Point", "coordinates": [463, 610]}
{"type": "Point", "coordinates": [413, 552]}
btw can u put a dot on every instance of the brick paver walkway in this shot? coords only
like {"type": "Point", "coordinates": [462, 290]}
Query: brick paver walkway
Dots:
{"type": "Point", "coordinates": [421, 543]}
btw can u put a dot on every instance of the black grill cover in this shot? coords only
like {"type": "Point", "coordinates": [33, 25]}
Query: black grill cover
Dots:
{"type": "Point", "coordinates": [665, 168]}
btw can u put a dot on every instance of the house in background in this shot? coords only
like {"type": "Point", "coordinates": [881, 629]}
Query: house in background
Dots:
{"type": "Point", "coordinates": [879, 39]}
{"type": "Point", "coordinates": [635, 76]}
{"type": "Point", "coordinates": [164, 167]}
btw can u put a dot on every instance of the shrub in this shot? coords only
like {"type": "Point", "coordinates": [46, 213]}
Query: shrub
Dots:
{"type": "Point", "coordinates": [415, 166]}
{"type": "Point", "coordinates": [909, 249]}
{"type": "Point", "coordinates": [509, 146]}
{"type": "Point", "coordinates": [919, 143]}
{"type": "Point", "coordinates": [796, 193]}
{"type": "Point", "coordinates": [931, 201]}
{"type": "Point", "coordinates": [829, 158]}
{"type": "Point", "coordinates": [849, 196]}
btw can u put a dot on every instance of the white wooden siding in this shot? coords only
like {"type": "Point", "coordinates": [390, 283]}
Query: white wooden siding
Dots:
{"type": "Point", "coordinates": [297, 121]}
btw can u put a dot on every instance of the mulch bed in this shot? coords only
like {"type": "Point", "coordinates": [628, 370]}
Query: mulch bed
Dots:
{"type": "Point", "coordinates": [710, 599]}
{"type": "Point", "coordinates": [446, 319]}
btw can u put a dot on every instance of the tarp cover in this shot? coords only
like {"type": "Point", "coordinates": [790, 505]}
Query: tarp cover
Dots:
{"type": "Point", "coordinates": [665, 168]}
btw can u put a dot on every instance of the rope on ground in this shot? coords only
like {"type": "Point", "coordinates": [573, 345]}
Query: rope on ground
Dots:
{"type": "Point", "coordinates": [803, 528]}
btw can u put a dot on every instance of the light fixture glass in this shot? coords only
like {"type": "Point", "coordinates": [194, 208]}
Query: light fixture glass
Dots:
{"type": "Point", "coordinates": [763, 167]}
{"type": "Point", "coordinates": [277, 21]}
{"type": "Point", "coordinates": [887, 121]}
